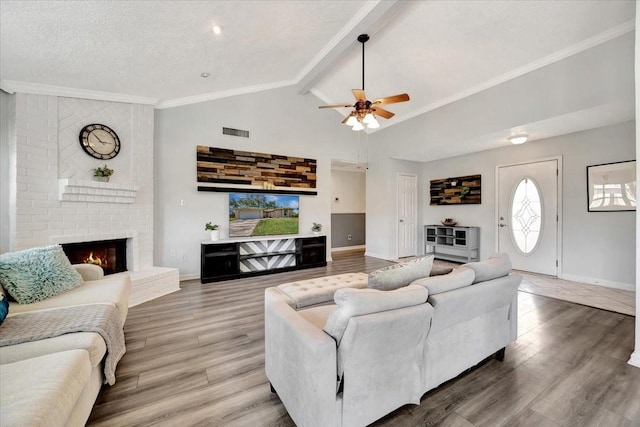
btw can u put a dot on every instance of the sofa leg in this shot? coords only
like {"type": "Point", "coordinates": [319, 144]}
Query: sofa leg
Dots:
{"type": "Point", "coordinates": [500, 354]}
{"type": "Point", "coordinates": [273, 390]}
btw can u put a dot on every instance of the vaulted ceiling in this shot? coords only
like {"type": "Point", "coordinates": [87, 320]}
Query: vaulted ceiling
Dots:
{"type": "Point", "coordinates": [154, 52]}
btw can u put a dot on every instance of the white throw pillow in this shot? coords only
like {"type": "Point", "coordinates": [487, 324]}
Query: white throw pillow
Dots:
{"type": "Point", "coordinates": [357, 302]}
{"type": "Point", "coordinates": [399, 275]}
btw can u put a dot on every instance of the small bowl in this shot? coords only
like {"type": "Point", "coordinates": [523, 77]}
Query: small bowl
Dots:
{"type": "Point", "coordinates": [449, 224]}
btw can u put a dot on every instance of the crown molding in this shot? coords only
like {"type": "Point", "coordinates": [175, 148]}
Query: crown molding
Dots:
{"type": "Point", "coordinates": [13, 86]}
{"type": "Point", "coordinates": [605, 36]}
{"type": "Point", "coordinates": [178, 102]}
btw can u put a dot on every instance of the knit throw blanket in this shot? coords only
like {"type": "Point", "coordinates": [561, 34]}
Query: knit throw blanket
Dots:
{"type": "Point", "coordinates": [103, 319]}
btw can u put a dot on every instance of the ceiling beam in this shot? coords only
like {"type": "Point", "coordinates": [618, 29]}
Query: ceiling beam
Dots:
{"type": "Point", "coordinates": [371, 18]}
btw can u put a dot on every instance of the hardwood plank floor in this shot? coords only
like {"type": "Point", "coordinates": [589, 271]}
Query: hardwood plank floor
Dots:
{"type": "Point", "coordinates": [196, 357]}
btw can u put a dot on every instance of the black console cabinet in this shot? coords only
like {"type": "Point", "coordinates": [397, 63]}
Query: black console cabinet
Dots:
{"type": "Point", "coordinates": [225, 259]}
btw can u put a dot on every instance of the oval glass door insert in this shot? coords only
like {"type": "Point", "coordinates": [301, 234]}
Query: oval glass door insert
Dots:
{"type": "Point", "coordinates": [526, 216]}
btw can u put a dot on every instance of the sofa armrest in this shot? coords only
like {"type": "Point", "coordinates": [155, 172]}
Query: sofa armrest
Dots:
{"type": "Point", "coordinates": [301, 364]}
{"type": "Point", "coordinates": [89, 271]}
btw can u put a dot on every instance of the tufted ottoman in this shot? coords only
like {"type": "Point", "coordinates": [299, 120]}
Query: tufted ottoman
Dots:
{"type": "Point", "coordinates": [305, 293]}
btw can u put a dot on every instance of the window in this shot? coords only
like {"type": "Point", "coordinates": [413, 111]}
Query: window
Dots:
{"type": "Point", "coordinates": [526, 215]}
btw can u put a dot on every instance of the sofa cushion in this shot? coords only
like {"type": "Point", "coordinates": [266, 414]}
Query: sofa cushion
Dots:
{"type": "Point", "coordinates": [358, 302]}
{"type": "Point", "coordinates": [399, 275]}
{"type": "Point", "coordinates": [318, 316]}
{"type": "Point", "coordinates": [36, 274]}
{"type": "Point", "coordinates": [42, 391]}
{"type": "Point", "coordinates": [498, 265]}
{"type": "Point", "coordinates": [458, 278]}
{"type": "Point", "coordinates": [112, 289]}
{"type": "Point", "coordinates": [439, 270]}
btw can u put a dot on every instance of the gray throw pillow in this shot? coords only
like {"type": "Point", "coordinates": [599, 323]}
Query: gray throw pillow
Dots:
{"type": "Point", "coordinates": [36, 274]}
{"type": "Point", "coordinates": [458, 278]}
{"type": "Point", "coordinates": [399, 275]}
{"type": "Point", "coordinates": [357, 302]}
{"type": "Point", "coordinates": [498, 265]}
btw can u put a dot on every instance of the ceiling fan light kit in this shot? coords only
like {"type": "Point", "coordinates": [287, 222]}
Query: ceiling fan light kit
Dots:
{"type": "Point", "coordinates": [364, 111]}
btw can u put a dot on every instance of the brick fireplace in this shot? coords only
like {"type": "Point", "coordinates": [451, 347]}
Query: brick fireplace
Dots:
{"type": "Point", "coordinates": [111, 255]}
{"type": "Point", "coordinates": [54, 200]}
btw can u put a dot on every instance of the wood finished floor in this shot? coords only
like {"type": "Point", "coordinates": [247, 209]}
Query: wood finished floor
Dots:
{"type": "Point", "coordinates": [196, 358]}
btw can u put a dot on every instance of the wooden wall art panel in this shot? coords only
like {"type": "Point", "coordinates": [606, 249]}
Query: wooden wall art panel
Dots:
{"type": "Point", "coordinates": [461, 190]}
{"type": "Point", "coordinates": [224, 167]}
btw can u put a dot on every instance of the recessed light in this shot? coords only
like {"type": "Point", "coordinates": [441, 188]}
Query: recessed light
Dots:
{"type": "Point", "coordinates": [217, 30]}
{"type": "Point", "coordinates": [518, 139]}
{"type": "Point", "coordinates": [204, 75]}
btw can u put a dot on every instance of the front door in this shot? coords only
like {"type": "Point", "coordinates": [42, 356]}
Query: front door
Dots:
{"type": "Point", "coordinates": [528, 215]}
{"type": "Point", "coordinates": [407, 214]}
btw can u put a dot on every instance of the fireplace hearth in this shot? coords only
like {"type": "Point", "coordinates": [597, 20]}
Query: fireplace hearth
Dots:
{"type": "Point", "coordinates": [111, 255]}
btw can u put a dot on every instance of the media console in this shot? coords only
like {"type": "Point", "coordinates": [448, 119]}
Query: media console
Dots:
{"type": "Point", "coordinates": [251, 256]}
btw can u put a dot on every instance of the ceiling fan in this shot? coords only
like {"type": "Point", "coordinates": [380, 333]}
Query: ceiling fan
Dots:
{"type": "Point", "coordinates": [365, 111]}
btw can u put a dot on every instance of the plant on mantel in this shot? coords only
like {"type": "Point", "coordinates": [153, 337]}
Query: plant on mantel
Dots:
{"type": "Point", "coordinates": [102, 173]}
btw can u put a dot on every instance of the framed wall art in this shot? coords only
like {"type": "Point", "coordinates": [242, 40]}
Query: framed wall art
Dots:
{"type": "Point", "coordinates": [612, 187]}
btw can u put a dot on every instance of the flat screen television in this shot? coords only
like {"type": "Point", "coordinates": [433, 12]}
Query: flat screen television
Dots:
{"type": "Point", "coordinates": [262, 214]}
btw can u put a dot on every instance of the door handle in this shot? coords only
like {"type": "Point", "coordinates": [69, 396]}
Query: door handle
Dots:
{"type": "Point", "coordinates": [502, 225]}
{"type": "Point", "coordinates": [402, 220]}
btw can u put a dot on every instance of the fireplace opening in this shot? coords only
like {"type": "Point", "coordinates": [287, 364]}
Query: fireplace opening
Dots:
{"type": "Point", "coordinates": [111, 255]}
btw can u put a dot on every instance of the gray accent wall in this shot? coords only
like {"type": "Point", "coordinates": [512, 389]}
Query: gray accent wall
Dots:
{"type": "Point", "coordinates": [345, 224]}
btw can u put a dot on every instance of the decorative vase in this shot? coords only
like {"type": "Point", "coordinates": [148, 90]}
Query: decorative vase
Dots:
{"type": "Point", "coordinates": [215, 235]}
{"type": "Point", "coordinates": [101, 178]}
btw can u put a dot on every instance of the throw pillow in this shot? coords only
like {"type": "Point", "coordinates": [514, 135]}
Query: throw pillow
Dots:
{"type": "Point", "coordinates": [4, 306]}
{"type": "Point", "coordinates": [438, 270]}
{"type": "Point", "coordinates": [36, 274]}
{"type": "Point", "coordinates": [498, 265]}
{"type": "Point", "coordinates": [458, 278]}
{"type": "Point", "coordinates": [357, 302]}
{"type": "Point", "coordinates": [399, 275]}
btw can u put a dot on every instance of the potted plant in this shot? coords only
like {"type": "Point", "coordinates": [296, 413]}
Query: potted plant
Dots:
{"type": "Point", "coordinates": [317, 228]}
{"type": "Point", "coordinates": [214, 228]}
{"type": "Point", "coordinates": [102, 174]}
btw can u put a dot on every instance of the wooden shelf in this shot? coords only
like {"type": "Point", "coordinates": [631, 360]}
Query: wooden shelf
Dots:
{"type": "Point", "coordinates": [255, 190]}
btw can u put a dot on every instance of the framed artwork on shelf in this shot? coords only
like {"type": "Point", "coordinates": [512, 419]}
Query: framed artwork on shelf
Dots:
{"type": "Point", "coordinates": [611, 187]}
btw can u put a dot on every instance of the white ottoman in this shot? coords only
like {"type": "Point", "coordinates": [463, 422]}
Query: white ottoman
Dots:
{"type": "Point", "coordinates": [305, 293]}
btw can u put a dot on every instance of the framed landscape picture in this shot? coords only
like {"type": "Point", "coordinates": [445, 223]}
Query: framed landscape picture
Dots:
{"type": "Point", "coordinates": [612, 187]}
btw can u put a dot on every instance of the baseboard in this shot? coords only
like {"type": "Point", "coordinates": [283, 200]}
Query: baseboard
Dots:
{"type": "Point", "coordinates": [635, 359]}
{"type": "Point", "coordinates": [371, 254]}
{"type": "Point", "coordinates": [349, 248]}
{"type": "Point", "coordinates": [599, 282]}
{"type": "Point", "coordinates": [192, 276]}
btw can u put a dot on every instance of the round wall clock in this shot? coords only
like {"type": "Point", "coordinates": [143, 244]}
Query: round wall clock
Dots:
{"type": "Point", "coordinates": [99, 141]}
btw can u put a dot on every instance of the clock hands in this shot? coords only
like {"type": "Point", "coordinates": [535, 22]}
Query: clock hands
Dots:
{"type": "Point", "coordinates": [101, 141]}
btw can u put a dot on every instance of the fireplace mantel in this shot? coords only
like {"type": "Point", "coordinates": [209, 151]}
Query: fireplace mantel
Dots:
{"type": "Point", "coordinates": [78, 190]}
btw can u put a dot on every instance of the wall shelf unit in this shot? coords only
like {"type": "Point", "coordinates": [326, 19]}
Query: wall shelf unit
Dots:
{"type": "Point", "coordinates": [252, 256]}
{"type": "Point", "coordinates": [459, 244]}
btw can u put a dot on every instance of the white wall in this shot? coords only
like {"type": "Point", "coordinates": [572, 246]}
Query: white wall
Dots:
{"type": "Point", "coordinates": [635, 357]}
{"type": "Point", "coordinates": [349, 188]}
{"type": "Point", "coordinates": [280, 122]}
{"type": "Point", "coordinates": [597, 246]}
{"type": "Point", "coordinates": [7, 138]}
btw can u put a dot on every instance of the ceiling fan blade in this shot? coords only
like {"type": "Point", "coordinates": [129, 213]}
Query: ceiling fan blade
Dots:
{"type": "Point", "coordinates": [359, 94]}
{"type": "Point", "coordinates": [382, 112]}
{"type": "Point", "coordinates": [346, 118]}
{"type": "Point", "coordinates": [392, 99]}
{"type": "Point", "coordinates": [336, 106]}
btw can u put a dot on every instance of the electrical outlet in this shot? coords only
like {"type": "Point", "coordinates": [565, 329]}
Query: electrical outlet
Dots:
{"type": "Point", "coordinates": [348, 236]}
{"type": "Point", "coordinates": [182, 202]}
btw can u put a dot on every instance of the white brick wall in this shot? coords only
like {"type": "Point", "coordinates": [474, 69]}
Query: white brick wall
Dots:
{"type": "Point", "coordinates": [48, 150]}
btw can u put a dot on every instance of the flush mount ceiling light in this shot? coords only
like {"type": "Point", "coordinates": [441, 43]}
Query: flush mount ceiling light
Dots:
{"type": "Point", "coordinates": [217, 29]}
{"type": "Point", "coordinates": [204, 75]}
{"type": "Point", "coordinates": [518, 139]}
{"type": "Point", "coordinates": [365, 111]}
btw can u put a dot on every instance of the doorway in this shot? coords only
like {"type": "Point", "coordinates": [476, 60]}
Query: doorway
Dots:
{"type": "Point", "coordinates": [407, 214]}
{"type": "Point", "coordinates": [528, 216]}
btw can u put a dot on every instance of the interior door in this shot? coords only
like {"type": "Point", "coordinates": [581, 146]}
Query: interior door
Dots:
{"type": "Point", "coordinates": [407, 214]}
{"type": "Point", "coordinates": [528, 215]}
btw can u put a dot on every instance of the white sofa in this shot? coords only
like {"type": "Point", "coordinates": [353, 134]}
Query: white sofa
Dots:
{"type": "Point", "coordinates": [395, 345]}
{"type": "Point", "coordinates": [55, 381]}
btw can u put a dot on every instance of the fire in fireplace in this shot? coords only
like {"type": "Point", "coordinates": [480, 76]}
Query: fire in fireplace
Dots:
{"type": "Point", "coordinates": [111, 255]}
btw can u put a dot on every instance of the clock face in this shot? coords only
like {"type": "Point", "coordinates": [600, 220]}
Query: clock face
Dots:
{"type": "Point", "coordinates": [99, 141]}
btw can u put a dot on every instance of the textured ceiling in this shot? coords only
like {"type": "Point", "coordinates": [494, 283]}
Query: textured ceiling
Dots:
{"type": "Point", "coordinates": [437, 51]}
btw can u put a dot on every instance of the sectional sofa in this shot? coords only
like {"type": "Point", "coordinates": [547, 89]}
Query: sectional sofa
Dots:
{"type": "Point", "coordinates": [339, 353]}
{"type": "Point", "coordinates": [55, 381]}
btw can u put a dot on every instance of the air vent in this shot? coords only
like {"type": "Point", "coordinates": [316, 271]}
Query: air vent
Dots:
{"type": "Point", "coordinates": [235, 132]}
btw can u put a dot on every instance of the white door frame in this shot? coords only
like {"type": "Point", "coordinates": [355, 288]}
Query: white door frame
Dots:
{"type": "Point", "coordinates": [559, 189]}
{"type": "Point", "coordinates": [398, 174]}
